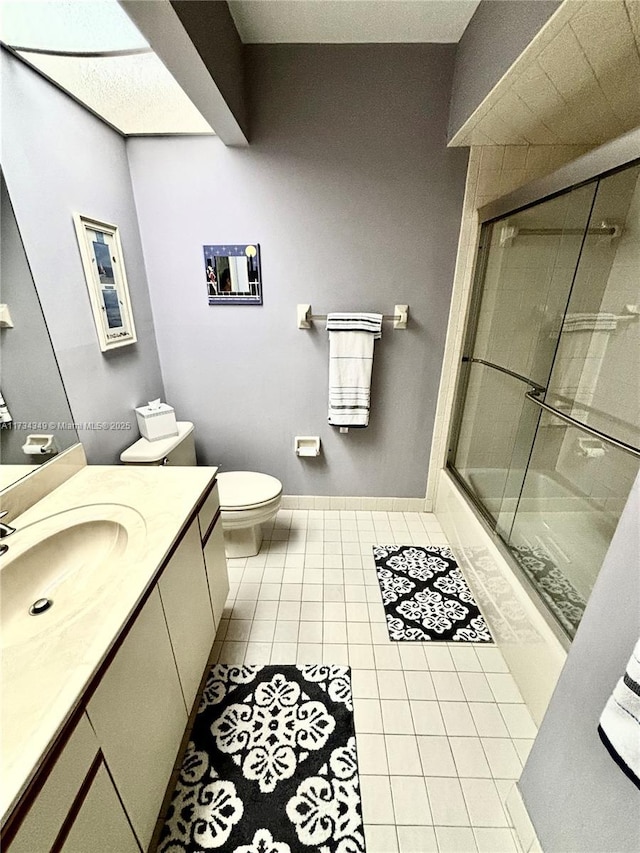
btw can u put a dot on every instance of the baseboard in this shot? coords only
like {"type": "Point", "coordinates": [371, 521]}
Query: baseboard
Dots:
{"type": "Point", "coordinates": [524, 829]}
{"type": "Point", "coordinates": [353, 503]}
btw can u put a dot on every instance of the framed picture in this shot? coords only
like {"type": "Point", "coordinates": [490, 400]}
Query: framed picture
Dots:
{"type": "Point", "coordinates": [233, 274]}
{"type": "Point", "coordinates": [106, 279]}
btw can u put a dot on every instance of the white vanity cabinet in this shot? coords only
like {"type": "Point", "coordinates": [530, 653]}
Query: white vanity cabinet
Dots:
{"type": "Point", "coordinates": [77, 807]}
{"type": "Point", "coordinates": [214, 555]}
{"type": "Point", "coordinates": [104, 790]}
{"type": "Point", "coordinates": [139, 717]}
{"type": "Point", "coordinates": [184, 591]}
{"type": "Point", "coordinates": [100, 817]}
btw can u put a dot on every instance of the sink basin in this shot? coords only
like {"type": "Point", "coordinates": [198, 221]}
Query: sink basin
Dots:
{"type": "Point", "coordinates": [66, 559]}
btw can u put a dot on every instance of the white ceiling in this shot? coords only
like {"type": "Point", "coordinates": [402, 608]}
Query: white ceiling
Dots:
{"type": "Point", "coordinates": [351, 21]}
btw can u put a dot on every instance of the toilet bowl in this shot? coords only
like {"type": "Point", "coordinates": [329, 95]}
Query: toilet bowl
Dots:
{"type": "Point", "coordinates": [247, 501]}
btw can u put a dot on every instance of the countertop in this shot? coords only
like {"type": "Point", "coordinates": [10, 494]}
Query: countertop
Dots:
{"type": "Point", "coordinates": [44, 678]}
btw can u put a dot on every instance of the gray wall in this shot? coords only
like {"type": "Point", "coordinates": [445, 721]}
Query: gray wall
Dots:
{"type": "Point", "coordinates": [214, 34]}
{"type": "Point", "coordinates": [577, 797]}
{"type": "Point", "coordinates": [58, 159]}
{"type": "Point", "coordinates": [356, 202]}
{"type": "Point", "coordinates": [31, 383]}
{"type": "Point", "coordinates": [495, 36]}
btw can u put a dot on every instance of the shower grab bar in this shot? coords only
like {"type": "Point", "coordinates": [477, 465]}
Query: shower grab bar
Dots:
{"type": "Point", "coordinates": [596, 433]}
{"type": "Point", "coordinates": [505, 370]}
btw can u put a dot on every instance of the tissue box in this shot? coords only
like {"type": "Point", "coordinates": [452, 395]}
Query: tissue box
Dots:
{"type": "Point", "coordinates": [158, 422]}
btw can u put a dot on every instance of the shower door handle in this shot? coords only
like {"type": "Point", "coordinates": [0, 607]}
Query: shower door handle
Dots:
{"type": "Point", "coordinates": [596, 433]}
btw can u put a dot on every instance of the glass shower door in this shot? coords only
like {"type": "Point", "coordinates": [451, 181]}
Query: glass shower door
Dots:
{"type": "Point", "coordinates": [582, 464]}
{"type": "Point", "coordinates": [524, 287]}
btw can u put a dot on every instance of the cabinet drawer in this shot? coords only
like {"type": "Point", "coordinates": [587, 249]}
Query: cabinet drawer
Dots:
{"type": "Point", "coordinates": [208, 511]}
{"type": "Point", "coordinates": [44, 820]}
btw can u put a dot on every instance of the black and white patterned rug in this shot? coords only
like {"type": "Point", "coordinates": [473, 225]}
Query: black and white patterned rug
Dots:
{"type": "Point", "coordinates": [271, 765]}
{"type": "Point", "coordinates": [563, 598]}
{"type": "Point", "coordinates": [425, 596]}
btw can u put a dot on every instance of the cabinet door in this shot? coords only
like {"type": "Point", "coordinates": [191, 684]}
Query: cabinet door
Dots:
{"type": "Point", "coordinates": [55, 799]}
{"type": "Point", "coordinates": [216, 564]}
{"type": "Point", "coordinates": [185, 597]}
{"type": "Point", "coordinates": [101, 824]}
{"type": "Point", "coordinates": [139, 716]}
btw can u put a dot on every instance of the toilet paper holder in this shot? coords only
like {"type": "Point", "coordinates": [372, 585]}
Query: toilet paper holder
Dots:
{"type": "Point", "coordinates": [307, 445]}
{"type": "Point", "coordinates": [593, 448]}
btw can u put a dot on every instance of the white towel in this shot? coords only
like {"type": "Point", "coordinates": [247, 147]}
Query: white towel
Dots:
{"type": "Point", "coordinates": [5, 414]}
{"type": "Point", "coordinates": [620, 721]}
{"type": "Point", "coordinates": [351, 338]}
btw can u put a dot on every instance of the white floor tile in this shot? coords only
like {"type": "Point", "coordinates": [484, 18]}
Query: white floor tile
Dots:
{"type": "Point", "coordinates": [367, 716]}
{"type": "Point", "coordinates": [488, 719]}
{"type": "Point", "coordinates": [469, 757]}
{"type": "Point", "coordinates": [491, 659]}
{"type": "Point", "coordinates": [417, 839]}
{"type": "Point", "coordinates": [334, 611]}
{"type": "Point", "coordinates": [310, 632]}
{"type": "Point", "coordinates": [361, 656]}
{"type": "Point", "coordinates": [483, 803]}
{"type": "Point", "coordinates": [372, 754]}
{"type": "Point", "coordinates": [436, 756]}
{"type": "Point", "coordinates": [465, 658]}
{"type": "Point", "coordinates": [427, 719]}
{"type": "Point", "coordinates": [359, 632]}
{"type": "Point", "coordinates": [309, 653]}
{"type": "Point", "coordinates": [357, 612]}
{"type": "Point", "coordinates": [502, 757]}
{"type": "Point", "coordinates": [504, 687]}
{"type": "Point", "coordinates": [312, 592]}
{"type": "Point", "coordinates": [523, 748]}
{"type": "Point", "coordinates": [518, 720]}
{"type": "Point", "coordinates": [391, 684]}
{"type": "Point", "coordinates": [258, 653]}
{"type": "Point", "coordinates": [413, 656]}
{"type": "Point", "coordinates": [364, 684]}
{"type": "Point", "coordinates": [447, 803]}
{"type": "Point", "coordinates": [386, 657]}
{"type": "Point", "coordinates": [419, 685]}
{"type": "Point", "coordinates": [289, 610]}
{"type": "Point", "coordinates": [457, 718]}
{"type": "Point", "coordinates": [381, 839]}
{"type": "Point", "coordinates": [334, 632]}
{"type": "Point", "coordinates": [410, 802]}
{"type": "Point", "coordinates": [377, 806]}
{"type": "Point", "coordinates": [490, 840]}
{"type": "Point", "coordinates": [262, 631]}
{"type": "Point", "coordinates": [311, 611]}
{"type": "Point", "coordinates": [455, 839]}
{"type": "Point", "coordinates": [335, 653]}
{"type": "Point", "coordinates": [476, 687]}
{"type": "Point", "coordinates": [239, 629]}
{"type": "Point", "coordinates": [396, 715]}
{"type": "Point", "coordinates": [439, 657]}
{"type": "Point", "coordinates": [266, 609]}
{"type": "Point", "coordinates": [284, 653]}
{"type": "Point", "coordinates": [447, 686]}
{"type": "Point", "coordinates": [286, 631]}
{"type": "Point", "coordinates": [403, 756]}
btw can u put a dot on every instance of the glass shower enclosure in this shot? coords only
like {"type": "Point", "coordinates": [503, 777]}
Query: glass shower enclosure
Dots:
{"type": "Point", "coordinates": [546, 432]}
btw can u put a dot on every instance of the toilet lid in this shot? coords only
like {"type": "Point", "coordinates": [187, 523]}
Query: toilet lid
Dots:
{"type": "Point", "coordinates": [240, 489]}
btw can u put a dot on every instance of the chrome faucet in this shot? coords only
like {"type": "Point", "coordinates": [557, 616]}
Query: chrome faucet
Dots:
{"type": "Point", "coordinates": [5, 529]}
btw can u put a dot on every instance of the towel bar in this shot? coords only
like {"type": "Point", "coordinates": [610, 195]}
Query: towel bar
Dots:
{"type": "Point", "coordinates": [400, 316]}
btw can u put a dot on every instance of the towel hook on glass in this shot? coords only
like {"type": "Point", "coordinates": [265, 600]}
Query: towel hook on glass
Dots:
{"type": "Point", "coordinates": [305, 317]}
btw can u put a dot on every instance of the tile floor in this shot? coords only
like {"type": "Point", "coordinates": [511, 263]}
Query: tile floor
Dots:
{"type": "Point", "coordinates": [442, 730]}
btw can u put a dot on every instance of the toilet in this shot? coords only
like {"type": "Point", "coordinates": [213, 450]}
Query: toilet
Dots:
{"type": "Point", "coordinates": [176, 450]}
{"type": "Point", "coordinates": [247, 500]}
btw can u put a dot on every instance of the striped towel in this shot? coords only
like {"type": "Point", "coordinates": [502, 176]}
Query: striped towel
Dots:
{"type": "Point", "coordinates": [351, 338]}
{"type": "Point", "coordinates": [5, 414]}
{"type": "Point", "coordinates": [619, 726]}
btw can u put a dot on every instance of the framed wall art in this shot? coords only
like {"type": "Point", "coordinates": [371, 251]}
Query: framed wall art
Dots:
{"type": "Point", "coordinates": [233, 274]}
{"type": "Point", "coordinates": [106, 279]}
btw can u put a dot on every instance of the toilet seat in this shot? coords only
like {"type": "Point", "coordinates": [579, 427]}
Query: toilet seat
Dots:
{"type": "Point", "coordinates": [247, 490]}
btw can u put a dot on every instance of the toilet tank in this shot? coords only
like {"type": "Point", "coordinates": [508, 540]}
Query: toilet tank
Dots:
{"type": "Point", "coordinates": [176, 450]}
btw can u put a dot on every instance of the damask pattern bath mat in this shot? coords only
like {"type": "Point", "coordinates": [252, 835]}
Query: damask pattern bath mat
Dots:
{"type": "Point", "coordinates": [271, 765]}
{"type": "Point", "coordinates": [425, 596]}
